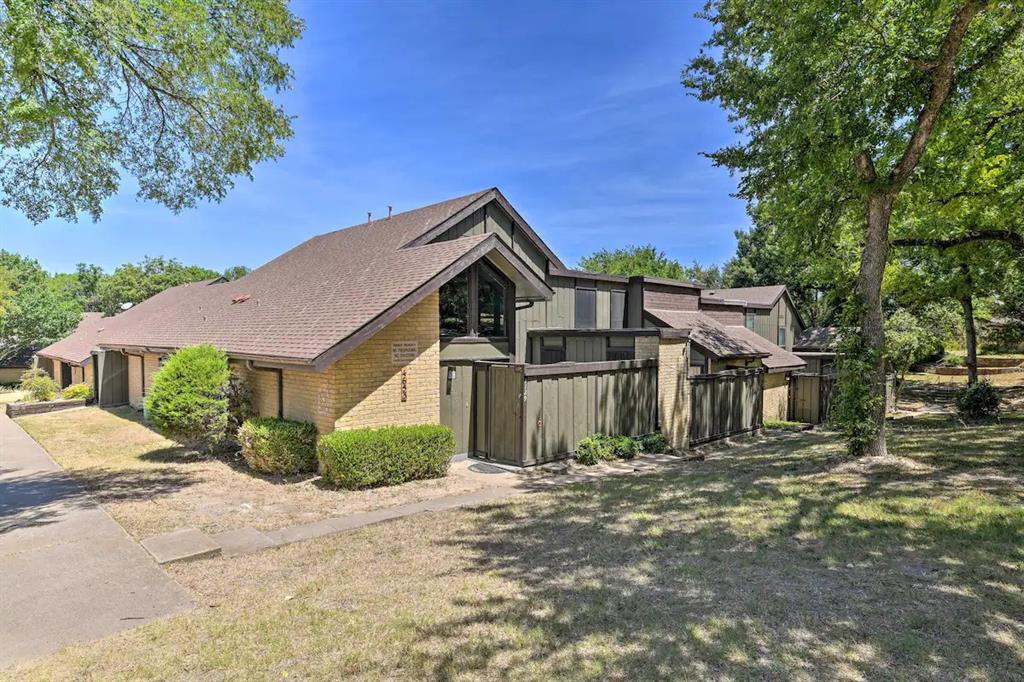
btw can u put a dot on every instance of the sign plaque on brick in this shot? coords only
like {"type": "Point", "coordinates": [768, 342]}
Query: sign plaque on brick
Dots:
{"type": "Point", "coordinates": [403, 352]}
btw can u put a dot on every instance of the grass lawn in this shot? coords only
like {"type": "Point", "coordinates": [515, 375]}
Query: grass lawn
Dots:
{"type": "Point", "coordinates": [1007, 379]}
{"type": "Point", "coordinates": [150, 485]}
{"type": "Point", "coordinates": [9, 395]}
{"type": "Point", "coordinates": [781, 560]}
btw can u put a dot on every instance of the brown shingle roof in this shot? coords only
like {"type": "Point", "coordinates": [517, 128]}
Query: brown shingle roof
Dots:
{"type": "Point", "coordinates": [303, 303]}
{"type": "Point", "coordinates": [816, 338]}
{"type": "Point", "coordinates": [778, 360]}
{"type": "Point", "coordinates": [753, 296]}
{"type": "Point", "coordinates": [76, 347]}
{"type": "Point", "coordinates": [709, 334]}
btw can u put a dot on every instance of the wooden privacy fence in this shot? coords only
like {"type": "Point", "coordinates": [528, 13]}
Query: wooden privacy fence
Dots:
{"type": "Point", "coordinates": [810, 397]}
{"type": "Point", "coordinates": [529, 414]}
{"type": "Point", "coordinates": [725, 404]}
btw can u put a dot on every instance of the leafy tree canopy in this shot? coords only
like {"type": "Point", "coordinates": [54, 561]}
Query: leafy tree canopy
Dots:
{"type": "Point", "coordinates": [33, 312]}
{"type": "Point", "coordinates": [135, 282]}
{"type": "Point", "coordinates": [172, 92]}
{"type": "Point", "coordinates": [236, 271]}
{"type": "Point", "coordinates": [649, 260]}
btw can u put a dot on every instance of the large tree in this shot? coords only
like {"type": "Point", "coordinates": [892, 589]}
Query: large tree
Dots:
{"type": "Point", "coordinates": [647, 259]}
{"type": "Point", "coordinates": [172, 92]}
{"type": "Point", "coordinates": [34, 312]}
{"type": "Point", "coordinates": [135, 282]}
{"type": "Point", "coordinates": [836, 105]}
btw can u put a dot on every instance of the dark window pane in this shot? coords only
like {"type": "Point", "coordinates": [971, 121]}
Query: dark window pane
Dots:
{"type": "Point", "coordinates": [782, 337]}
{"type": "Point", "coordinates": [750, 321]}
{"type": "Point", "coordinates": [491, 301]}
{"type": "Point", "coordinates": [618, 309]}
{"type": "Point", "coordinates": [586, 309]}
{"type": "Point", "coordinates": [455, 305]}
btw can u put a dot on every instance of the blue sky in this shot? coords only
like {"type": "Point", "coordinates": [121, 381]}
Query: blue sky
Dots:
{"type": "Point", "coordinates": [573, 109]}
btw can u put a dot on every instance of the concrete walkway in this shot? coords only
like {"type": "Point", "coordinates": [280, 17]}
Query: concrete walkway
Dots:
{"type": "Point", "coordinates": [68, 571]}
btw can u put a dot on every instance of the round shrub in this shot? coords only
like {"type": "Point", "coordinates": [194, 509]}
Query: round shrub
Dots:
{"type": "Point", "coordinates": [77, 392]}
{"type": "Point", "coordinates": [624, 447]}
{"type": "Point", "coordinates": [187, 402]}
{"type": "Point", "coordinates": [278, 446]}
{"type": "Point", "coordinates": [39, 385]}
{"type": "Point", "coordinates": [593, 449]}
{"type": "Point", "coordinates": [978, 401]}
{"type": "Point", "coordinates": [654, 443]}
{"type": "Point", "coordinates": [366, 458]}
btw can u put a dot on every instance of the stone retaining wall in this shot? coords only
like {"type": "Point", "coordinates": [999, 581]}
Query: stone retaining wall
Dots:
{"type": "Point", "coordinates": [22, 409]}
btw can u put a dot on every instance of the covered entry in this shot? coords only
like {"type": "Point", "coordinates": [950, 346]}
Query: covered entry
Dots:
{"type": "Point", "coordinates": [110, 378]}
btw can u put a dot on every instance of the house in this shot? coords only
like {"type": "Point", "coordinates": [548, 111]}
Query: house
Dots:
{"type": "Point", "coordinates": [402, 319]}
{"type": "Point", "coordinates": [14, 365]}
{"type": "Point", "coordinates": [69, 361]}
{"type": "Point", "coordinates": [816, 346]}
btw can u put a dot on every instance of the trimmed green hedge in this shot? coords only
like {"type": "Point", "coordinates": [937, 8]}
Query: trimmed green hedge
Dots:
{"type": "Point", "coordinates": [77, 392]}
{"type": "Point", "coordinates": [599, 447]}
{"type": "Point", "coordinates": [366, 458]}
{"type": "Point", "coordinates": [187, 401]}
{"type": "Point", "coordinates": [278, 446]}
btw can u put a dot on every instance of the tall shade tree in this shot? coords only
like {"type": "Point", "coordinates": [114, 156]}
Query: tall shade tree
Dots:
{"type": "Point", "coordinates": [647, 259]}
{"type": "Point", "coordinates": [836, 104]}
{"type": "Point", "coordinates": [135, 282]}
{"type": "Point", "coordinates": [172, 92]}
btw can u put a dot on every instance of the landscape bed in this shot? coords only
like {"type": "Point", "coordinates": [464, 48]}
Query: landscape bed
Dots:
{"type": "Point", "coordinates": [782, 559]}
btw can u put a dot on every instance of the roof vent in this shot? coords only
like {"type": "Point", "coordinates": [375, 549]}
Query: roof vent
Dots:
{"type": "Point", "coordinates": [369, 215]}
{"type": "Point", "coordinates": [389, 212]}
{"type": "Point", "coordinates": [241, 299]}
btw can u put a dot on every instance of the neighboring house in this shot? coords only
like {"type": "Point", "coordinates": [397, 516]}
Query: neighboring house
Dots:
{"type": "Point", "coordinates": [392, 322]}
{"type": "Point", "coordinates": [69, 361]}
{"type": "Point", "coordinates": [816, 345]}
{"type": "Point", "coordinates": [13, 366]}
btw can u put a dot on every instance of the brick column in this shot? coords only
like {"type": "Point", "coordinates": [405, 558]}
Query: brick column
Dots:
{"type": "Point", "coordinates": [674, 391]}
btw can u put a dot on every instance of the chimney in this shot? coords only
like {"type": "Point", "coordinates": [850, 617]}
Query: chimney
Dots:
{"type": "Point", "coordinates": [389, 212]}
{"type": "Point", "coordinates": [369, 214]}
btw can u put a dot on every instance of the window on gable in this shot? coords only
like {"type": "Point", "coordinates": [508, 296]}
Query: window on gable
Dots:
{"type": "Point", "coordinates": [749, 321]}
{"type": "Point", "coordinates": [490, 302]}
{"type": "Point", "coordinates": [782, 337]}
{"type": "Point", "coordinates": [586, 308]}
{"type": "Point", "coordinates": [455, 306]}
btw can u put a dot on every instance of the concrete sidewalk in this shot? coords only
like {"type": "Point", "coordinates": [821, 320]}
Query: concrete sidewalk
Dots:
{"type": "Point", "coordinates": [68, 571]}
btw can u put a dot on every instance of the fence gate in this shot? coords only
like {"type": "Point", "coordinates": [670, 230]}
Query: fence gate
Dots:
{"type": "Point", "coordinates": [810, 397]}
{"type": "Point", "coordinates": [725, 404]}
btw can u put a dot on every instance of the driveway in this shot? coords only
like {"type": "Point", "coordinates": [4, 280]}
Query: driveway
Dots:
{"type": "Point", "coordinates": [68, 572]}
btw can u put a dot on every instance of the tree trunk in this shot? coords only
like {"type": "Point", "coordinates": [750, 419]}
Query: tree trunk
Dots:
{"type": "Point", "coordinates": [869, 286]}
{"type": "Point", "coordinates": [967, 303]}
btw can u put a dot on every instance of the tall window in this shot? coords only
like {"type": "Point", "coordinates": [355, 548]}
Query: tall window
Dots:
{"type": "Point", "coordinates": [586, 309]}
{"type": "Point", "coordinates": [490, 303]}
{"type": "Point", "coordinates": [617, 304]}
{"type": "Point", "coordinates": [749, 321]}
{"type": "Point", "coordinates": [455, 306]}
{"type": "Point", "coordinates": [782, 337]}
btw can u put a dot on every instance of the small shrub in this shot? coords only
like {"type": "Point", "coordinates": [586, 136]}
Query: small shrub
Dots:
{"type": "Point", "coordinates": [654, 443]}
{"type": "Point", "coordinates": [366, 458]}
{"type": "Point", "coordinates": [978, 401]}
{"type": "Point", "coordinates": [278, 446]}
{"type": "Point", "coordinates": [624, 447]}
{"type": "Point", "coordinates": [77, 392]}
{"type": "Point", "coordinates": [38, 385]}
{"type": "Point", "coordinates": [783, 425]}
{"type": "Point", "coordinates": [187, 402]}
{"type": "Point", "coordinates": [593, 449]}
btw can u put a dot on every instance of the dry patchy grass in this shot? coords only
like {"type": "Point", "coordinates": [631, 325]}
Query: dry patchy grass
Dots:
{"type": "Point", "coordinates": [150, 485]}
{"type": "Point", "coordinates": [778, 560]}
{"type": "Point", "coordinates": [10, 395]}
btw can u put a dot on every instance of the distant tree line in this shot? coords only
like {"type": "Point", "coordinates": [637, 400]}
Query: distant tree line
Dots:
{"type": "Point", "coordinates": [38, 308]}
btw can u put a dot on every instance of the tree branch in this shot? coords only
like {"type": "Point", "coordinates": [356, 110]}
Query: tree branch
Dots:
{"type": "Point", "coordinates": [1015, 239]}
{"type": "Point", "coordinates": [942, 84]}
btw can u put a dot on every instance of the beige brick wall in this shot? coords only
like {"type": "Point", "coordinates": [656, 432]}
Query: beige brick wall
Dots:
{"type": "Point", "coordinates": [775, 396]}
{"type": "Point", "coordinates": [148, 365]}
{"type": "Point", "coordinates": [88, 374]}
{"type": "Point", "coordinates": [364, 388]}
{"type": "Point", "coordinates": [77, 374]}
{"type": "Point", "coordinates": [369, 385]}
{"type": "Point", "coordinates": [646, 347]}
{"type": "Point", "coordinates": [58, 372]}
{"type": "Point", "coordinates": [674, 391]}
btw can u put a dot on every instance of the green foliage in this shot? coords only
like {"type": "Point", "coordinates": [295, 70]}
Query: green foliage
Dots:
{"type": "Point", "coordinates": [599, 447]}
{"type": "Point", "coordinates": [174, 94]}
{"type": "Point", "coordinates": [38, 385]}
{"type": "Point", "coordinates": [240, 407]}
{"type": "Point", "coordinates": [648, 260]}
{"type": "Point", "coordinates": [236, 272]}
{"type": "Point", "coordinates": [365, 458]}
{"type": "Point", "coordinates": [979, 401]}
{"type": "Point", "coordinates": [854, 402]}
{"type": "Point", "coordinates": [910, 338]}
{"type": "Point", "coordinates": [278, 446]}
{"type": "Point", "coordinates": [654, 443]}
{"type": "Point", "coordinates": [77, 392]}
{"type": "Point", "coordinates": [187, 402]}
{"type": "Point", "coordinates": [134, 283]}
{"type": "Point", "coordinates": [33, 313]}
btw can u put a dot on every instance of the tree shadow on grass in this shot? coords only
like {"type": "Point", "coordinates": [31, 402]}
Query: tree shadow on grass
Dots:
{"type": "Point", "coordinates": [772, 561]}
